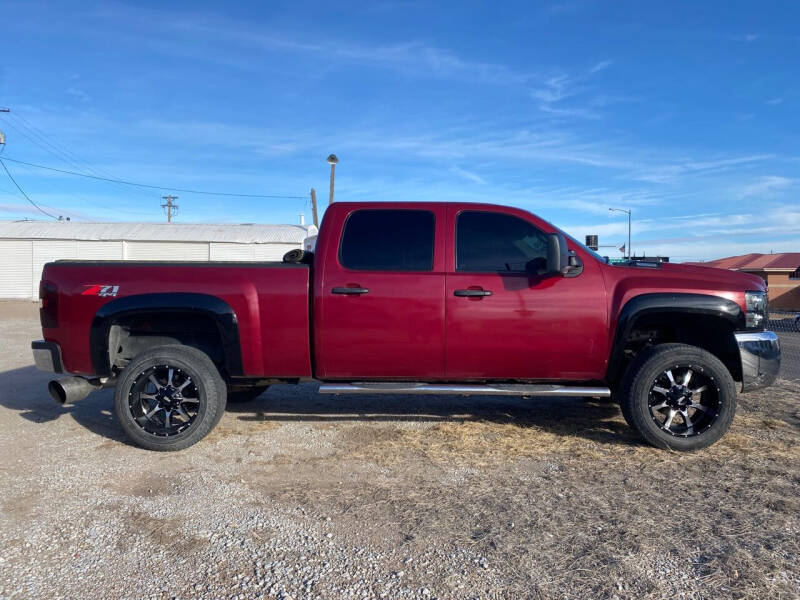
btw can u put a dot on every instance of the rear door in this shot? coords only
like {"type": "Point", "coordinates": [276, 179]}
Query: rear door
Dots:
{"type": "Point", "coordinates": [381, 305]}
{"type": "Point", "coordinates": [506, 322]}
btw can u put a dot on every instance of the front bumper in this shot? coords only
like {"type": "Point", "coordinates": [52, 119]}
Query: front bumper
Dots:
{"type": "Point", "coordinates": [47, 356]}
{"type": "Point", "coordinates": [761, 358]}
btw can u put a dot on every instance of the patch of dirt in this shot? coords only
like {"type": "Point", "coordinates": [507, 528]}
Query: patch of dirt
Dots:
{"type": "Point", "coordinates": [140, 526]}
{"type": "Point", "coordinates": [19, 507]}
{"type": "Point", "coordinates": [146, 485]}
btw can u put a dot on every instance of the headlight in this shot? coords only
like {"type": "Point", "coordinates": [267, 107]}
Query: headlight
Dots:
{"type": "Point", "coordinates": [757, 309]}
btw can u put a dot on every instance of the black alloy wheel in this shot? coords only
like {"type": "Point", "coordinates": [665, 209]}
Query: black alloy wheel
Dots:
{"type": "Point", "coordinates": [678, 397]}
{"type": "Point", "coordinates": [169, 397]}
{"type": "Point", "coordinates": [163, 400]}
{"type": "Point", "coordinates": [684, 401]}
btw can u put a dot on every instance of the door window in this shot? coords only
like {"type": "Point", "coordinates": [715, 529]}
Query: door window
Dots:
{"type": "Point", "coordinates": [388, 240]}
{"type": "Point", "coordinates": [488, 242]}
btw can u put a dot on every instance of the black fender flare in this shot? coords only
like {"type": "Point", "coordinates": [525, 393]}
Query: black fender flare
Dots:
{"type": "Point", "coordinates": [215, 308]}
{"type": "Point", "coordinates": [665, 302]}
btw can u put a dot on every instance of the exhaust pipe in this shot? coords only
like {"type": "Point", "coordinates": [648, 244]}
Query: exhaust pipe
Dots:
{"type": "Point", "coordinates": [72, 389]}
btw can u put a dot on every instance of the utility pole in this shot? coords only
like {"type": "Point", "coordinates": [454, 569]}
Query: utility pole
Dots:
{"type": "Point", "coordinates": [314, 207]}
{"type": "Point", "coordinates": [169, 207]}
{"type": "Point", "coordinates": [332, 160]}
{"type": "Point", "coordinates": [628, 212]}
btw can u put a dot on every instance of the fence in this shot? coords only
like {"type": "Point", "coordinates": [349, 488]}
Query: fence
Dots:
{"type": "Point", "coordinates": [787, 326]}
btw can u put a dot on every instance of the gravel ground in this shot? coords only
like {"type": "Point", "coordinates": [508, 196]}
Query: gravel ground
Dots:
{"type": "Point", "coordinates": [304, 496]}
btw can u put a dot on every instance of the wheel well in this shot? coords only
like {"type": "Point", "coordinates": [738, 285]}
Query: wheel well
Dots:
{"type": "Point", "coordinates": [133, 334]}
{"type": "Point", "coordinates": [713, 334]}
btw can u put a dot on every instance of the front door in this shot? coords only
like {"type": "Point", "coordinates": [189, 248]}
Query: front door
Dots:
{"type": "Point", "coordinates": [382, 297]}
{"type": "Point", "coordinates": [505, 322]}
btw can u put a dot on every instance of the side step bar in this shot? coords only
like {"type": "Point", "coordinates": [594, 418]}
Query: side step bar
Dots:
{"type": "Point", "coordinates": [464, 390]}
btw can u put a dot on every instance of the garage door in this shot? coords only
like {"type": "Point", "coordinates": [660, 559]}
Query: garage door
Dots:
{"type": "Point", "coordinates": [95, 250]}
{"type": "Point", "coordinates": [189, 251]}
{"type": "Point", "coordinates": [16, 271]}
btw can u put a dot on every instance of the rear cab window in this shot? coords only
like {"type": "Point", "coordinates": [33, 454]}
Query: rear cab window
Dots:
{"type": "Point", "coordinates": [388, 240]}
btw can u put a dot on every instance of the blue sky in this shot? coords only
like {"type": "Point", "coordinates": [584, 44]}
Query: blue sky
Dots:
{"type": "Point", "coordinates": [684, 112]}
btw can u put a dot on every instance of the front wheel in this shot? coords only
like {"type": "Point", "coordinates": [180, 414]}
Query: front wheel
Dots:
{"type": "Point", "coordinates": [169, 397]}
{"type": "Point", "coordinates": [678, 397]}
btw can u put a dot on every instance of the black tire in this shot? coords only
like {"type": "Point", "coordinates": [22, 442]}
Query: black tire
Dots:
{"type": "Point", "coordinates": [240, 395]}
{"type": "Point", "coordinates": [190, 386]}
{"type": "Point", "coordinates": [656, 386]}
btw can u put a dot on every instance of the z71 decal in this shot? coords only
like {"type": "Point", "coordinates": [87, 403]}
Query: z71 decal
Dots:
{"type": "Point", "coordinates": [104, 291]}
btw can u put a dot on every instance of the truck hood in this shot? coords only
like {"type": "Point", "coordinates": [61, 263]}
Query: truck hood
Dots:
{"type": "Point", "coordinates": [735, 279]}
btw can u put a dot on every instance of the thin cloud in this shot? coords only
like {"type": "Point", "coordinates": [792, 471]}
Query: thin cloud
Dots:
{"type": "Point", "coordinates": [468, 175]}
{"type": "Point", "coordinates": [746, 37]}
{"type": "Point", "coordinates": [766, 185]}
{"type": "Point", "coordinates": [601, 66]}
{"type": "Point", "coordinates": [411, 57]}
{"type": "Point", "coordinates": [78, 94]}
{"type": "Point", "coordinates": [726, 162]}
{"type": "Point", "coordinates": [555, 89]}
{"type": "Point", "coordinates": [671, 173]}
{"type": "Point", "coordinates": [552, 93]}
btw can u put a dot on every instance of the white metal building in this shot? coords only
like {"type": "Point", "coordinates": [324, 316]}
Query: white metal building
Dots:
{"type": "Point", "coordinates": [25, 246]}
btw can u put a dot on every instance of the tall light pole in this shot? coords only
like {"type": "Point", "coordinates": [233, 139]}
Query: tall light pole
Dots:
{"type": "Point", "coordinates": [332, 160]}
{"type": "Point", "coordinates": [3, 135]}
{"type": "Point", "coordinates": [628, 212]}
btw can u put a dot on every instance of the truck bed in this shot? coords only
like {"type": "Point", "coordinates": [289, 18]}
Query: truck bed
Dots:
{"type": "Point", "coordinates": [269, 301]}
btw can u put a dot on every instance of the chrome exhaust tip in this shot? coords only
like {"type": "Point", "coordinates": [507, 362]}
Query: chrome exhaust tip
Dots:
{"type": "Point", "coordinates": [72, 389]}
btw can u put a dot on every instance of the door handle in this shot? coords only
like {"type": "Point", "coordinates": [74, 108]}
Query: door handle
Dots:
{"type": "Point", "coordinates": [472, 293]}
{"type": "Point", "coordinates": [349, 290]}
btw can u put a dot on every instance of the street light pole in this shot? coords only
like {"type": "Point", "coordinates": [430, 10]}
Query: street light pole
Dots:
{"type": "Point", "coordinates": [628, 212]}
{"type": "Point", "coordinates": [332, 160]}
{"type": "Point", "coordinates": [3, 135]}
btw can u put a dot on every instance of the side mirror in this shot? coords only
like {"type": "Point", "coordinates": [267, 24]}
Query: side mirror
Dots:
{"type": "Point", "coordinates": [558, 257]}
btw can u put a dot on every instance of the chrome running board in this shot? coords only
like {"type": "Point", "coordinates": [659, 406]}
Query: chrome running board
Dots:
{"type": "Point", "coordinates": [464, 390]}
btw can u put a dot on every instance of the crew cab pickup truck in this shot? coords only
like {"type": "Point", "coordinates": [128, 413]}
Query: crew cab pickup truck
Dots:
{"type": "Point", "coordinates": [410, 298]}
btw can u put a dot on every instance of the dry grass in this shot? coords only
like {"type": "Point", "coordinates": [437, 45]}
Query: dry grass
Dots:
{"type": "Point", "coordinates": [564, 502]}
{"type": "Point", "coordinates": [482, 443]}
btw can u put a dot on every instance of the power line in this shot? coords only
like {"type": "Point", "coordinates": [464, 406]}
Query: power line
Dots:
{"type": "Point", "coordinates": [14, 181]}
{"type": "Point", "coordinates": [152, 187]}
{"type": "Point", "coordinates": [51, 146]}
{"type": "Point", "coordinates": [63, 152]}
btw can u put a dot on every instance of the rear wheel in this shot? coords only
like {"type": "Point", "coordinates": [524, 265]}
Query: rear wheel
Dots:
{"type": "Point", "coordinates": [678, 397]}
{"type": "Point", "coordinates": [169, 397]}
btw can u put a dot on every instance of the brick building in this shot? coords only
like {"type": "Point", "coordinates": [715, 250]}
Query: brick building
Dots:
{"type": "Point", "coordinates": [780, 271]}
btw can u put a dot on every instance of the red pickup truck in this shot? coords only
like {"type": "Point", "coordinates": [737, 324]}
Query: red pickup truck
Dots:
{"type": "Point", "coordinates": [410, 298]}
